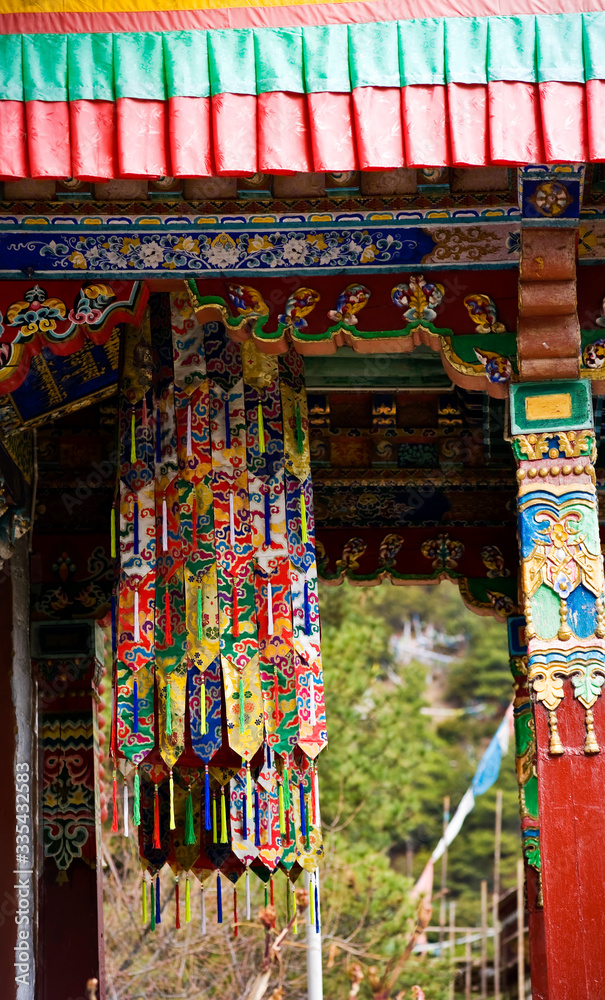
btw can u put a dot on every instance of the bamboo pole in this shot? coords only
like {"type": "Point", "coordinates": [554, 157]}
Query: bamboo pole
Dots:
{"type": "Point", "coordinates": [442, 903]}
{"type": "Point", "coordinates": [520, 930]}
{"type": "Point", "coordinates": [483, 940]}
{"type": "Point", "coordinates": [468, 969]}
{"type": "Point", "coordinates": [452, 930]}
{"type": "Point", "coordinates": [496, 894]}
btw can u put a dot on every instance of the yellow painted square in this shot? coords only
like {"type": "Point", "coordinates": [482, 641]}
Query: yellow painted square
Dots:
{"type": "Point", "coordinates": [554, 407]}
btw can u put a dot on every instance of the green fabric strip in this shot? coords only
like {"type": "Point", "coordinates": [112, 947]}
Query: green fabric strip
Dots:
{"type": "Point", "coordinates": [594, 45]}
{"type": "Point", "coordinates": [138, 62]}
{"type": "Point", "coordinates": [11, 68]}
{"type": "Point", "coordinates": [45, 67]}
{"type": "Point", "coordinates": [466, 49]}
{"type": "Point", "coordinates": [231, 61]}
{"type": "Point", "coordinates": [90, 67]}
{"type": "Point", "coordinates": [186, 64]}
{"type": "Point", "coordinates": [421, 52]}
{"type": "Point", "coordinates": [511, 44]}
{"type": "Point", "coordinates": [559, 48]}
{"type": "Point", "coordinates": [326, 59]}
{"type": "Point", "coordinates": [373, 55]}
{"type": "Point", "coordinates": [279, 60]}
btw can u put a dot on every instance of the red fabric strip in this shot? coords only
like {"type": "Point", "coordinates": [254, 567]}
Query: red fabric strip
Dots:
{"type": "Point", "coordinates": [563, 108]}
{"type": "Point", "coordinates": [189, 135]}
{"type": "Point", "coordinates": [378, 132]}
{"type": "Point", "coordinates": [13, 148]}
{"type": "Point", "coordinates": [93, 139]}
{"type": "Point", "coordinates": [425, 126]}
{"type": "Point", "coordinates": [234, 134]}
{"type": "Point", "coordinates": [331, 121]}
{"type": "Point", "coordinates": [595, 103]}
{"type": "Point", "coordinates": [284, 140]}
{"type": "Point", "coordinates": [299, 14]}
{"type": "Point", "coordinates": [467, 104]}
{"type": "Point", "coordinates": [48, 138]}
{"type": "Point", "coordinates": [514, 123]}
{"type": "Point", "coordinates": [142, 138]}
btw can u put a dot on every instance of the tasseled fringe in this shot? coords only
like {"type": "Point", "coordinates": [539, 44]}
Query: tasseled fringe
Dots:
{"type": "Point", "coordinates": [136, 804]}
{"type": "Point", "coordinates": [133, 439]}
{"type": "Point", "coordinates": [307, 834]}
{"type": "Point", "coordinates": [168, 628]}
{"type": "Point", "coordinates": [261, 429]}
{"type": "Point", "coordinates": [303, 518]}
{"type": "Point", "coordinates": [270, 627]}
{"type": "Point", "coordinates": [267, 504]}
{"type": "Point", "coordinates": [300, 438]}
{"type": "Point", "coordinates": [187, 900]}
{"type": "Point", "coordinates": [135, 527]}
{"type": "Point", "coordinates": [288, 829]}
{"type": "Point", "coordinates": [306, 608]}
{"type": "Point", "coordinates": [271, 891]}
{"type": "Point", "coordinates": [214, 823]}
{"type": "Point", "coordinates": [158, 436]}
{"type": "Point", "coordinates": [248, 782]}
{"type": "Point", "coordinates": [152, 908]}
{"type": "Point", "coordinates": [276, 699]}
{"type": "Point", "coordinates": [164, 524]}
{"type": "Point", "coordinates": [256, 818]}
{"type": "Point", "coordinates": [268, 757]}
{"type": "Point", "coordinates": [235, 925]}
{"type": "Point", "coordinates": [224, 837]}
{"type": "Point", "coordinates": [247, 894]}
{"type": "Point", "coordinates": [244, 816]}
{"type": "Point", "coordinates": [235, 612]}
{"type": "Point", "coordinates": [219, 900]}
{"type": "Point", "coordinates": [203, 718]}
{"type": "Point", "coordinates": [168, 709]}
{"type": "Point", "coordinates": [189, 448]}
{"type": "Point", "coordinates": [207, 814]}
{"type": "Point", "coordinates": [144, 412]}
{"type": "Point", "coordinates": [177, 922]}
{"type": "Point", "coordinates": [157, 843]}
{"type": "Point", "coordinates": [303, 818]}
{"type": "Point", "coordinates": [203, 911]}
{"type": "Point", "coordinates": [287, 798]}
{"type": "Point", "coordinates": [311, 902]}
{"type": "Point", "coordinates": [194, 523]}
{"type": "Point", "coordinates": [190, 837]}
{"type": "Point", "coordinates": [231, 520]}
{"type": "Point", "coordinates": [114, 819]}
{"type": "Point", "coordinates": [143, 901]}
{"type": "Point", "coordinates": [171, 787]}
{"type": "Point", "coordinates": [137, 628]}
{"type": "Point", "coordinates": [126, 831]}
{"type": "Point", "coordinates": [242, 712]}
{"type": "Point", "coordinates": [316, 895]}
{"type": "Point", "coordinates": [158, 907]}
{"type": "Point", "coordinates": [282, 815]}
{"type": "Point", "coordinates": [112, 529]}
{"type": "Point", "coordinates": [227, 421]}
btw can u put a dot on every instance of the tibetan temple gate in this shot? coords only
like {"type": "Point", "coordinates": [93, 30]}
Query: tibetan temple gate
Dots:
{"type": "Point", "coordinates": [314, 272]}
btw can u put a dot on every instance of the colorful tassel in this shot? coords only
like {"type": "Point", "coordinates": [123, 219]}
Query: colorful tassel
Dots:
{"type": "Point", "coordinates": [114, 820]}
{"type": "Point", "coordinates": [168, 710]}
{"type": "Point", "coordinates": [200, 618]}
{"type": "Point", "coordinates": [189, 449]}
{"type": "Point", "coordinates": [227, 421]}
{"type": "Point", "coordinates": [168, 629]}
{"type": "Point", "coordinates": [190, 837]}
{"type": "Point", "coordinates": [303, 817]}
{"type": "Point", "coordinates": [133, 440]}
{"type": "Point", "coordinates": [126, 831]}
{"type": "Point", "coordinates": [276, 699]}
{"type": "Point", "coordinates": [303, 518]}
{"type": "Point", "coordinates": [231, 520]}
{"type": "Point", "coordinates": [112, 528]}
{"type": "Point", "coordinates": [282, 815]}
{"type": "Point", "coordinates": [158, 436]}
{"type": "Point", "coordinates": [235, 611]}
{"type": "Point", "coordinates": [207, 816]}
{"type": "Point", "coordinates": [316, 895]}
{"type": "Point", "coordinates": [157, 843]}
{"type": "Point", "coordinates": [171, 786]}
{"type": "Point", "coordinates": [114, 622]}
{"type": "Point", "coordinates": [247, 894]}
{"type": "Point", "coordinates": [270, 627]}
{"type": "Point", "coordinates": [203, 911]}
{"type": "Point", "coordinates": [256, 818]}
{"type": "Point", "coordinates": [164, 525]}
{"type": "Point", "coordinates": [177, 901]}
{"type": "Point", "coordinates": [137, 629]}
{"type": "Point", "coordinates": [136, 804]}
{"type": "Point", "coordinates": [235, 926]}
{"type": "Point", "coordinates": [261, 429]}
{"type": "Point", "coordinates": [224, 837]}
{"type": "Point", "coordinates": [187, 900]}
{"type": "Point", "coordinates": [268, 757]}
{"type": "Point", "coordinates": [311, 902]}
{"type": "Point", "coordinates": [214, 824]}
{"type": "Point", "coordinates": [245, 816]}
{"type": "Point", "coordinates": [242, 714]}
{"type": "Point", "coordinates": [203, 719]}
{"type": "Point", "coordinates": [219, 900]}
{"type": "Point", "coordinates": [300, 438]}
{"type": "Point", "coordinates": [194, 523]}
{"type": "Point", "coordinates": [152, 901]}
{"type": "Point", "coordinates": [287, 798]}
{"type": "Point", "coordinates": [307, 608]}
{"type": "Point", "coordinates": [271, 891]}
{"type": "Point", "coordinates": [135, 526]}
{"type": "Point", "coordinates": [288, 828]}
{"type": "Point", "coordinates": [307, 834]}
{"type": "Point", "coordinates": [248, 782]}
{"type": "Point", "coordinates": [267, 505]}
{"type": "Point", "coordinates": [143, 902]}
{"type": "Point", "coordinates": [158, 907]}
